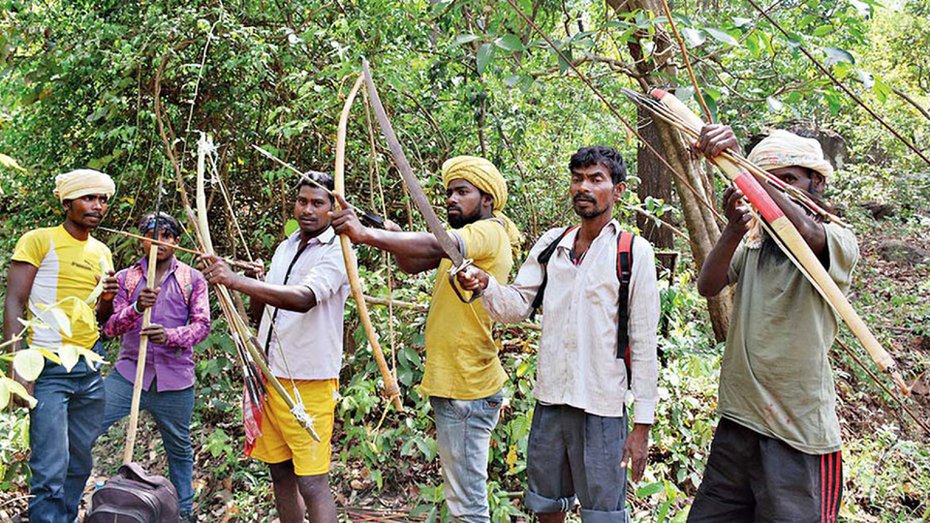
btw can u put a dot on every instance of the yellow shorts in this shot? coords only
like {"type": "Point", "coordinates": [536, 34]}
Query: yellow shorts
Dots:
{"type": "Point", "coordinates": [283, 438]}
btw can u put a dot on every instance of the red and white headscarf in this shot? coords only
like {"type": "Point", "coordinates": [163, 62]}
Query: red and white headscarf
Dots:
{"type": "Point", "coordinates": [785, 149]}
{"type": "Point", "coordinates": [782, 149]}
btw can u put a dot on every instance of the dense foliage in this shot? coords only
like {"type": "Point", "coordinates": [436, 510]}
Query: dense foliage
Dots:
{"type": "Point", "coordinates": [79, 86]}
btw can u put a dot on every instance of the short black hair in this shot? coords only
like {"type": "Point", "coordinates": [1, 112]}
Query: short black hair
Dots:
{"type": "Point", "coordinates": [166, 222]}
{"type": "Point", "coordinates": [603, 155]}
{"type": "Point", "coordinates": [320, 178]}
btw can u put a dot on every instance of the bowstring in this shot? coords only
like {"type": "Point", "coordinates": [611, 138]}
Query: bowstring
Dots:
{"type": "Point", "coordinates": [374, 173]}
{"type": "Point", "coordinates": [299, 409]}
{"type": "Point", "coordinates": [701, 198]}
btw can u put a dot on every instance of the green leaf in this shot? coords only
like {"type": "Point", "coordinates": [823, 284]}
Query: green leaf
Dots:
{"type": "Point", "coordinates": [866, 7]}
{"type": "Point", "coordinates": [721, 36]}
{"type": "Point", "coordinates": [807, 19]}
{"type": "Point", "coordinates": [741, 22]}
{"type": "Point", "coordinates": [649, 490]}
{"type": "Point", "coordinates": [767, 40]}
{"type": "Point", "coordinates": [98, 114]}
{"type": "Point", "coordinates": [291, 226]}
{"type": "Point", "coordinates": [485, 55]}
{"type": "Point", "coordinates": [824, 30]}
{"type": "Point", "coordinates": [28, 363]}
{"type": "Point", "coordinates": [833, 101]}
{"type": "Point", "coordinates": [465, 38]}
{"type": "Point", "coordinates": [712, 106]}
{"type": "Point", "coordinates": [683, 93]}
{"type": "Point", "coordinates": [752, 44]}
{"type": "Point", "coordinates": [694, 36]}
{"type": "Point", "coordinates": [563, 65]}
{"type": "Point", "coordinates": [510, 43]}
{"type": "Point", "coordinates": [843, 69]}
{"type": "Point", "coordinates": [794, 39]}
{"type": "Point", "coordinates": [440, 5]}
{"type": "Point", "coordinates": [881, 89]}
{"type": "Point", "coordinates": [513, 80]}
{"type": "Point", "coordinates": [648, 48]}
{"type": "Point", "coordinates": [618, 23]}
{"type": "Point", "coordinates": [582, 36]}
{"type": "Point", "coordinates": [836, 55]}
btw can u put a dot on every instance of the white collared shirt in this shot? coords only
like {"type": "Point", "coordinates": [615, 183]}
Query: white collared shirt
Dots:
{"type": "Point", "coordinates": [312, 340]}
{"type": "Point", "coordinates": [577, 363]}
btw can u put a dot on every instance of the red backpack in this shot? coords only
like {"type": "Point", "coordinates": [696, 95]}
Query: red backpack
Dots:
{"type": "Point", "coordinates": [624, 272]}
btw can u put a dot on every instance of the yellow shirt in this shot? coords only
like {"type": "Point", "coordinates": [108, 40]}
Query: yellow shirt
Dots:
{"type": "Point", "coordinates": [67, 268]}
{"type": "Point", "coordinates": [461, 354]}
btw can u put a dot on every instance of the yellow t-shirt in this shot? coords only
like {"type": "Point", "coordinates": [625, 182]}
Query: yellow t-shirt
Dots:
{"type": "Point", "coordinates": [67, 267]}
{"type": "Point", "coordinates": [461, 354]}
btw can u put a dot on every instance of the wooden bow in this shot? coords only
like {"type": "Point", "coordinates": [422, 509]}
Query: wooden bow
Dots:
{"type": "Point", "coordinates": [391, 390]}
{"type": "Point", "coordinates": [785, 232]}
{"type": "Point", "coordinates": [237, 324]}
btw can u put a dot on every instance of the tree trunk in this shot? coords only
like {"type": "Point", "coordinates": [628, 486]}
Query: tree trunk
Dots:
{"type": "Point", "coordinates": [655, 181]}
{"type": "Point", "coordinates": [703, 229]}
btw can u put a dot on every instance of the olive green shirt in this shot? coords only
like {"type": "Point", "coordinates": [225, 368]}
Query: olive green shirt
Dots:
{"type": "Point", "coordinates": [775, 377]}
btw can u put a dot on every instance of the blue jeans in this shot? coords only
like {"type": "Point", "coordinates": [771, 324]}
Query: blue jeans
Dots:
{"type": "Point", "coordinates": [172, 411]}
{"type": "Point", "coordinates": [463, 433]}
{"type": "Point", "coordinates": [62, 430]}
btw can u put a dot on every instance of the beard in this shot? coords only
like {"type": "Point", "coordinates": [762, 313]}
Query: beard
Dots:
{"type": "Point", "coordinates": [590, 212]}
{"type": "Point", "coordinates": [461, 219]}
{"type": "Point", "coordinates": [769, 250]}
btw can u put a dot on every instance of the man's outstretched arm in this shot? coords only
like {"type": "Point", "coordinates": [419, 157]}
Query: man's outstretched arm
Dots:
{"type": "Point", "coordinates": [415, 251]}
{"type": "Point", "coordinates": [297, 298]}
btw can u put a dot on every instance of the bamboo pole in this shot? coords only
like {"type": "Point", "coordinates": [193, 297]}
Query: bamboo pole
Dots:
{"type": "Point", "coordinates": [140, 363]}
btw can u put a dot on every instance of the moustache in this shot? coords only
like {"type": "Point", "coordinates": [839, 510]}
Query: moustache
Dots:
{"type": "Point", "coordinates": [583, 198]}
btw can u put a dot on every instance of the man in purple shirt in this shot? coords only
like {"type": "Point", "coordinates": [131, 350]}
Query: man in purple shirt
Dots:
{"type": "Point", "coordinates": [180, 320]}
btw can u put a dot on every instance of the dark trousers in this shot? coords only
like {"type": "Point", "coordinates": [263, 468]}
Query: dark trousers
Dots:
{"type": "Point", "coordinates": [750, 477]}
{"type": "Point", "coordinates": [62, 430]}
{"type": "Point", "coordinates": [575, 455]}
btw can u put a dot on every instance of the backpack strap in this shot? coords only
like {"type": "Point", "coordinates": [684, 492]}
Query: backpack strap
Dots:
{"type": "Point", "coordinates": [184, 276]}
{"type": "Point", "coordinates": [131, 281]}
{"type": "Point", "coordinates": [624, 274]}
{"type": "Point", "coordinates": [543, 260]}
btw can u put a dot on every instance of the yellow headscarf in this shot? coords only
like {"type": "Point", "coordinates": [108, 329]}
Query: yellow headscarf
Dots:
{"type": "Point", "coordinates": [81, 182]}
{"type": "Point", "coordinates": [482, 174]}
